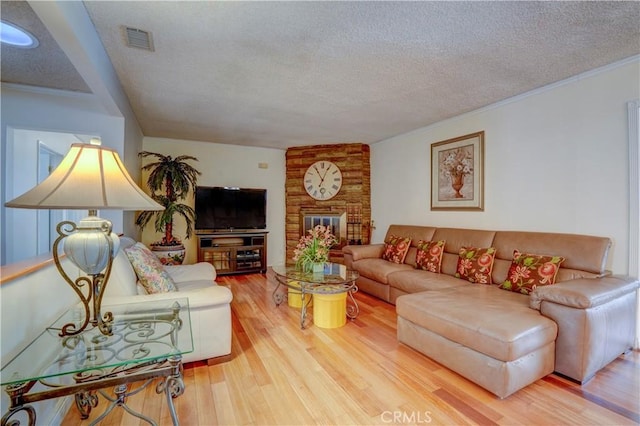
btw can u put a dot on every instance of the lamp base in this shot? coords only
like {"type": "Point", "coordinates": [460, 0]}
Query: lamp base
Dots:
{"type": "Point", "coordinates": [91, 246]}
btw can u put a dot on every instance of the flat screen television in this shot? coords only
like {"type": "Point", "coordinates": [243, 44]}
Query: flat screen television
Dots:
{"type": "Point", "coordinates": [227, 208]}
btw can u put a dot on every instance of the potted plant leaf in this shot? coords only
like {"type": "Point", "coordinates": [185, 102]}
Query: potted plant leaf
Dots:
{"type": "Point", "coordinates": [170, 181]}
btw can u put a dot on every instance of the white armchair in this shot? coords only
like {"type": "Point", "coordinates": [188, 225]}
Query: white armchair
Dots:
{"type": "Point", "coordinates": [209, 303]}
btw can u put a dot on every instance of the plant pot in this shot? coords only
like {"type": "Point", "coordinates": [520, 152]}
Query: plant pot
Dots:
{"type": "Point", "coordinates": [317, 269]}
{"type": "Point", "coordinates": [169, 255]}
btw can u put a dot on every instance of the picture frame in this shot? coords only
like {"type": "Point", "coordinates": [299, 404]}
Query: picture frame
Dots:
{"type": "Point", "coordinates": [457, 173]}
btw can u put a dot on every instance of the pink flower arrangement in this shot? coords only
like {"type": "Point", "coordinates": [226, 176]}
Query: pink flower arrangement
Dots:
{"type": "Point", "coordinates": [314, 247]}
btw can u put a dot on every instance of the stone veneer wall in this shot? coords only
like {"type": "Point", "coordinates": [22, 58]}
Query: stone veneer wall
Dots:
{"type": "Point", "coordinates": [353, 161]}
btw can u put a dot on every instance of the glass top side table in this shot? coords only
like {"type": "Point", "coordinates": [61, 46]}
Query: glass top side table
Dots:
{"type": "Point", "coordinates": [334, 279]}
{"type": "Point", "coordinates": [148, 341]}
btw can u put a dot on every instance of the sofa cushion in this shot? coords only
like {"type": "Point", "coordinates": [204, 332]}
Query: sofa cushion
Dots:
{"type": "Point", "coordinates": [396, 249]}
{"type": "Point", "coordinates": [475, 264]}
{"type": "Point", "coordinates": [122, 281]}
{"type": "Point", "coordinates": [417, 280]}
{"type": "Point", "coordinates": [149, 270]}
{"type": "Point", "coordinates": [497, 323]}
{"type": "Point", "coordinates": [378, 269]}
{"type": "Point", "coordinates": [429, 256]}
{"type": "Point", "coordinates": [529, 271]}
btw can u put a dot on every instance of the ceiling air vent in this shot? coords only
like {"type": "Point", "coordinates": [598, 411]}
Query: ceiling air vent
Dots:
{"type": "Point", "coordinates": [138, 38]}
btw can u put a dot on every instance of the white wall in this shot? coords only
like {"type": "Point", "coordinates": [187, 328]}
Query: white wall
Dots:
{"type": "Point", "coordinates": [50, 111]}
{"type": "Point", "coordinates": [230, 165]}
{"type": "Point", "coordinates": [555, 160]}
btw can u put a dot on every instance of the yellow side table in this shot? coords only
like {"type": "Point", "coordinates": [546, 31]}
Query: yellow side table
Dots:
{"type": "Point", "coordinates": [330, 310]}
{"type": "Point", "coordinates": [294, 297]}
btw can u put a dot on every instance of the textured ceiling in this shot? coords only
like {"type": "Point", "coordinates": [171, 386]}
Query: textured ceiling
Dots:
{"type": "Point", "coordinates": [45, 66]}
{"type": "Point", "coordinates": [280, 74]}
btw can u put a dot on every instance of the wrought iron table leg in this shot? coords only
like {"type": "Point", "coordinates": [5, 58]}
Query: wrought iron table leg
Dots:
{"type": "Point", "coordinates": [303, 309]}
{"type": "Point", "coordinates": [85, 401]}
{"type": "Point", "coordinates": [16, 392]}
{"type": "Point", "coordinates": [119, 401]}
{"type": "Point", "coordinates": [278, 298]}
{"type": "Point", "coordinates": [353, 310]}
{"type": "Point", "coordinates": [31, 413]}
{"type": "Point", "coordinates": [173, 387]}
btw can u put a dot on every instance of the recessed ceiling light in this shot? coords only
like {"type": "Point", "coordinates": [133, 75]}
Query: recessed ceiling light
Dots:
{"type": "Point", "coordinates": [13, 35]}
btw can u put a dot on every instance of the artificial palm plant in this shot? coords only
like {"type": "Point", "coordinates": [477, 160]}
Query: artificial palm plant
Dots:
{"type": "Point", "coordinates": [170, 181]}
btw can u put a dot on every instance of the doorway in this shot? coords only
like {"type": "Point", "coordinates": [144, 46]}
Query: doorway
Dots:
{"type": "Point", "coordinates": [31, 155]}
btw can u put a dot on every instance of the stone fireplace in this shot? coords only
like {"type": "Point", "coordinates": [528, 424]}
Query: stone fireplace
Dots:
{"type": "Point", "coordinates": [348, 213]}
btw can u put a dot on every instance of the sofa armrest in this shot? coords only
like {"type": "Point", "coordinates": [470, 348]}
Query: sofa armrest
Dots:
{"type": "Point", "coordinates": [196, 272]}
{"type": "Point", "coordinates": [370, 251]}
{"type": "Point", "coordinates": [199, 298]}
{"type": "Point", "coordinates": [584, 293]}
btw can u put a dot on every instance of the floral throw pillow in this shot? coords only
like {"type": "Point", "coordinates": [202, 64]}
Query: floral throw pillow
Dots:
{"type": "Point", "coordinates": [149, 270]}
{"type": "Point", "coordinates": [529, 271]}
{"type": "Point", "coordinates": [475, 264]}
{"type": "Point", "coordinates": [429, 255]}
{"type": "Point", "coordinates": [396, 249]}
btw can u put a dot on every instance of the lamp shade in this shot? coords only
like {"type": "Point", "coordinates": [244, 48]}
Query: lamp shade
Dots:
{"type": "Point", "coordinates": [89, 177]}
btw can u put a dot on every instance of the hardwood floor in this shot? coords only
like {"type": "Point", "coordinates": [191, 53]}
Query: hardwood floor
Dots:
{"type": "Point", "coordinates": [359, 374]}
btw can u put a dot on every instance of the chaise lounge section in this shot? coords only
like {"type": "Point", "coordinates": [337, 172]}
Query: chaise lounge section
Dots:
{"type": "Point", "coordinates": [504, 340]}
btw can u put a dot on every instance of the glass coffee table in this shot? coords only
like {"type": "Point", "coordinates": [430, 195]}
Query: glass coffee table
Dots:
{"type": "Point", "coordinates": [147, 343]}
{"type": "Point", "coordinates": [334, 279]}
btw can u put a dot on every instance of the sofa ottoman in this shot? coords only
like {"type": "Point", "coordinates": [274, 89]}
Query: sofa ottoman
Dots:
{"type": "Point", "coordinates": [485, 334]}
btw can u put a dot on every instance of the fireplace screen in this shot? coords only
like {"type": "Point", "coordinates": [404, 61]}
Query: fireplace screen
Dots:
{"type": "Point", "coordinates": [335, 221]}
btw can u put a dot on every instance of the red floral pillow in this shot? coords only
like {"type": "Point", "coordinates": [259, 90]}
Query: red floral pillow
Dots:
{"type": "Point", "coordinates": [529, 271]}
{"type": "Point", "coordinates": [396, 249]}
{"type": "Point", "coordinates": [475, 264]}
{"type": "Point", "coordinates": [429, 255]}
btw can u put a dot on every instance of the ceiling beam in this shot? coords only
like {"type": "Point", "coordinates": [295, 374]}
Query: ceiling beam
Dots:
{"type": "Point", "coordinates": [72, 28]}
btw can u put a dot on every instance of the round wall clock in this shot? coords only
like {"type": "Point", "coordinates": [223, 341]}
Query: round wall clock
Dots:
{"type": "Point", "coordinates": [323, 180]}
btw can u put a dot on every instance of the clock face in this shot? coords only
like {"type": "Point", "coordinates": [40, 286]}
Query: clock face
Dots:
{"type": "Point", "coordinates": [323, 180]}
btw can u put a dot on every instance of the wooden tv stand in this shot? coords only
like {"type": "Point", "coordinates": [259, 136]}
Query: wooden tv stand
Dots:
{"type": "Point", "coordinates": [234, 252]}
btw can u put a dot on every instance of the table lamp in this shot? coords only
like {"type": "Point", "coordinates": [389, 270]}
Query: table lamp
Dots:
{"type": "Point", "coordinates": [89, 177]}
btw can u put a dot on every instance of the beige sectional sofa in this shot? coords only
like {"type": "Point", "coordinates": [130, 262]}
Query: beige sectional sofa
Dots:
{"type": "Point", "coordinates": [499, 339]}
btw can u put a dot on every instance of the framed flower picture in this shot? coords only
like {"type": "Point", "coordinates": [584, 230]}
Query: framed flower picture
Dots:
{"type": "Point", "coordinates": [457, 173]}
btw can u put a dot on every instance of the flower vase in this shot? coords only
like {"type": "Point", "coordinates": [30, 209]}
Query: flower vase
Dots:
{"type": "Point", "coordinates": [457, 182]}
{"type": "Point", "coordinates": [317, 269]}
